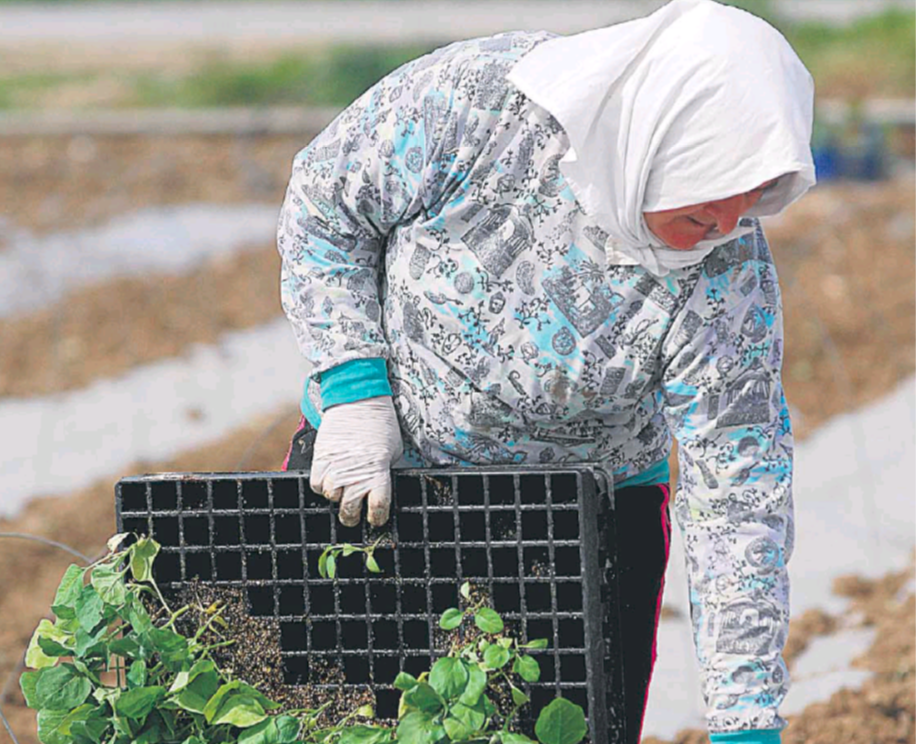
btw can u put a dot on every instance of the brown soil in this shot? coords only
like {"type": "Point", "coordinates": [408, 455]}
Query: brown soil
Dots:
{"type": "Point", "coordinates": [847, 269]}
{"type": "Point", "coordinates": [105, 330]}
{"type": "Point", "coordinates": [61, 183]}
{"type": "Point", "coordinates": [847, 266]}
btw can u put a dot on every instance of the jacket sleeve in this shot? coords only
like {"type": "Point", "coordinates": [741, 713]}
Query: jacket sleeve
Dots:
{"type": "Point", "coordinates": [379, 165]}
{"type": "Point", "coordinates": [725, 405]}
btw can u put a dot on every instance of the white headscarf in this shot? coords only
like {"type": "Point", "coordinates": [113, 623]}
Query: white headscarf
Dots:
{"type": "Point", "coordinates": [694, 103]}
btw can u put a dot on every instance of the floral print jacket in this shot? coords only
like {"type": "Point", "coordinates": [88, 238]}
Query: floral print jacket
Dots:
{"type": "Point", "coordinates": [430, 225]}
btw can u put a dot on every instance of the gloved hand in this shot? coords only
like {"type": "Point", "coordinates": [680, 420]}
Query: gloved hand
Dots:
{"type": "Point", "coordinates": [354, 450]}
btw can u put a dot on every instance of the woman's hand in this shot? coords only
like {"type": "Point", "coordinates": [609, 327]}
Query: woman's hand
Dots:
{"type": "Point", "coordinates": [354, 450]}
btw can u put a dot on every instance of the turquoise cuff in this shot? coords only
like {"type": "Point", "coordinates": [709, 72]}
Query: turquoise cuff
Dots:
{"type": "Point", "coordinates": [355, 380]}
{"type": "Point", "coordinates": [758, 736]}
{"type": "Point", "coordinates": [308, 408]}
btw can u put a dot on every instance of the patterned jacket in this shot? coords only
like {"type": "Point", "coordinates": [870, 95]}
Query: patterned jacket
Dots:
{"type": "Point", "coordinates": [430, 225]}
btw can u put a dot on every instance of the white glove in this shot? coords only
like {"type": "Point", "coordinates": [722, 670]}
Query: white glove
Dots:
{"type": "Point", "coordinates": [354, 449]}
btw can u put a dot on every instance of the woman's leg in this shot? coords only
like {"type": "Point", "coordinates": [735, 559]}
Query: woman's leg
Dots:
{"type": "Point", "coordinates": [644, 538]}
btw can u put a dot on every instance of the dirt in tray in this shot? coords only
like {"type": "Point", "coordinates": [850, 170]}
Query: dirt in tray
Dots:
{"type": "Point", "coordinates": [254, 656]}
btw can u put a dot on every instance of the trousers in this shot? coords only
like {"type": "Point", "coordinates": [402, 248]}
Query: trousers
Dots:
{"type": "Point", "coordinates": [643, 546]}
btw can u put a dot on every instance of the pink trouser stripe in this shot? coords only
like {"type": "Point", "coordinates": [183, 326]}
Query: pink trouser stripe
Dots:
{"type": "Point", "coordinates": [292, 444]}
{"type": "Point", "coordinates": [666, 531]}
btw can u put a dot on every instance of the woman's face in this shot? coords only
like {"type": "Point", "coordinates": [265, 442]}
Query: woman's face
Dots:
{"type": "Point", "coordinates": [684, 227]}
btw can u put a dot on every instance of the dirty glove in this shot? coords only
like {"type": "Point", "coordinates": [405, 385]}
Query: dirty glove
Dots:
{"type": "Point", "coordinates": [354, 449]}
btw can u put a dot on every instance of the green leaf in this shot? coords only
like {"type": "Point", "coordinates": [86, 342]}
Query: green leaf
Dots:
{"type": "Point", "coordinates": [287, 729]}
{"type": "Point", "coordinates": [62, 688]}
{"type": "Point", "coordinates": [126, 647]}
{"type": "Point", "coordinates": [53, 648]}
{"type": "Point", "coordinates": [537, 643]}
{"type": "Point", "coordinates": [477, 683]}
{"type": "Point", "coordinates": [448, 677]}
{"type": "Point", "coordinates": [519, 697]}
{"type": "Point", "coordinates": [364, 735]}
{"type": "Point", "coordinates": [90, 731]}
{"type": "Point", "coordinates": [137, 704]}
{"type": "Point", "coordinates": [156, 729]}
{"type": "Point", "coordinates": [108, 695]}
{"type": "Point", "coordinates": [137, 615]}
{"type": "Point", "coordinates": [455, 729]}
{"type": "Point", "coordinates": [90, 672]}
{"type": "Point", "coordinates": [64, 604]}
{"type": "Point", "coordinates": [495, 657]}
{"type": "Point", "coordinates": [171, 647]}
{"type": "Point", "coordinates": [471, 716]}
{"type": "Point", "coordinates": [527, 668]}
{"type": "Point", "coordinates": [489, 620]}
{"type": "Point", "coordinates": [27, 683]}
{"type": "Point", "coordinates": [236, 701]}
{"type": "Point", "coordinates": [114, 542]}
{"type": "Point", "coordinates": [90, 643]}
{"type": "Point", "coordinates": [465, 590]}
{"type": "Point", "coordinates": [405, 681]}
{"type": "Point", "coordinates": [142, 554]}
{"type": "Point", "coordinates": [35, 658]}
{"type": "Point", "coordinates": [239, 710]}
{"type": "Point", "coordinates": [510, 738]}
{"type": "Point", "coordinates": [198, 692]}
{"type": "Point", "coordinates": [50, 723]}
{"type": "Point", "coordinates": [372, 564]}
{"type": "Point", "coordinates": [89, 608]}
{"type": "Point", "coordinates": [561, 722]}
{"type": "Point", "coordinates": [424, 698]}
{"type": "Point", "coordinates": [76, 726]}
{"type": "Point", "coordinates": [323, 565]}
{"type": "Point", "coordinates": [136, 675]}
{"type": "Point", "coordinates": [110, 585]}
{"type": "Point", "coordinates": [417, 728]}
{"type": "Point", "coordinates": [182, 679]}
{"type": "Point", "coordinates": [331, 566]}
{"type": "Point", "coordinates": [451, 618]}
{"type": "Point", "coordinates": [349, 550]}
{"type": "Point", "coordinates": [265, 732]}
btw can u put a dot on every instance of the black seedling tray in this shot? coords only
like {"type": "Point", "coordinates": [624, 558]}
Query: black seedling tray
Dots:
{"type": "Point", "coordinates": [536, 540]}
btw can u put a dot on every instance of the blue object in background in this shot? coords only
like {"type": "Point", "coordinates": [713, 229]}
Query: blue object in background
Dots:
{"type": "Point", "coordinates": [864, 158]}
{"type": "Point", "coordinates": [827, 162]}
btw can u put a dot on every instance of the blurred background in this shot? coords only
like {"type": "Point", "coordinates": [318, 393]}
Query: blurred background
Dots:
{"type": "Point", "coordinates": [144, 152]}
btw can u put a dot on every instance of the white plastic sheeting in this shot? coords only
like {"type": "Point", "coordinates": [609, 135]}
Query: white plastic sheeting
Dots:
{"type": "Point", "coordinates": [39, 270]}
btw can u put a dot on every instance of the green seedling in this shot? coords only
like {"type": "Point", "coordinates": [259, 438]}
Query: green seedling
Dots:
{"type": "Point", "coordinates": [327, 563]}
{"type": "Point", "coordinates": [113, 668]}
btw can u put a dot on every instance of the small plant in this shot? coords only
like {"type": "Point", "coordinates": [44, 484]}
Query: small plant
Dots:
{"type": "Point", "coordinates": [452, 703]}
{"type": "Point", "coordinates": [327, 563]}
{"type": "Point", "coordinates": [113, 668]}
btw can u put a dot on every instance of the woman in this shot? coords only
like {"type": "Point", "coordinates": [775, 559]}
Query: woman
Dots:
{"type": "Point", "coordinates": [530, 248]}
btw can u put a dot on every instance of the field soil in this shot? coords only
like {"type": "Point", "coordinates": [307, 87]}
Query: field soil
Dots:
{"type": "Point", "coordinates": [848, 275]}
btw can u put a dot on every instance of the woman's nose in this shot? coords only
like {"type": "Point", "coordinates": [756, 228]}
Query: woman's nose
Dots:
{"type": "Point", "coordinates": [727, 212]}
